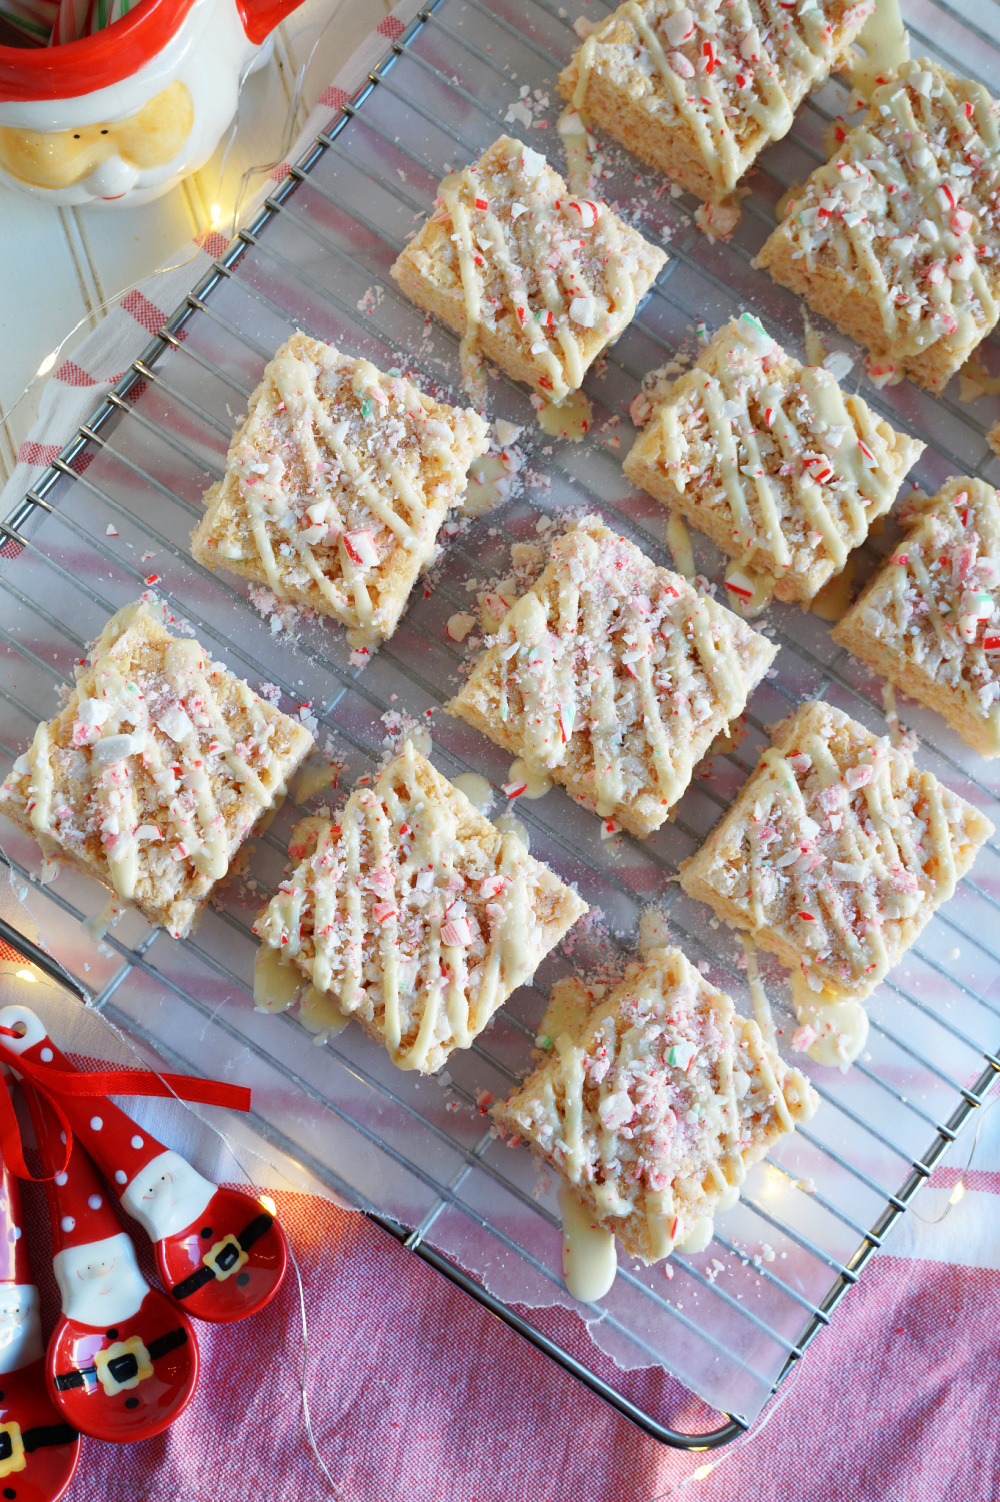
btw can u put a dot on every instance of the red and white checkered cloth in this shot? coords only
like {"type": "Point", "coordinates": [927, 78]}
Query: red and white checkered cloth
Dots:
{"type": "Point", "coordinates": [418, 1395]}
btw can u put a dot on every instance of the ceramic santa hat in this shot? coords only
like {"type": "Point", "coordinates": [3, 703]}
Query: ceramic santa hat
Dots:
{"type": "Point", "coordinates": [78, 1201]}
{"type": "Point", "coordinates": [123, 1150]}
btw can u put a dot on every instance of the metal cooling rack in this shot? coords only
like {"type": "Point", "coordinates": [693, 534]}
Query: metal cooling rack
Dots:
{"type": "Point", "coordinates": [731, 1322]}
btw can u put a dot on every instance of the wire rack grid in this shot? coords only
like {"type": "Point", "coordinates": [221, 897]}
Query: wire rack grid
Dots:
{"type": "Point", "coordinates": [112, 516]}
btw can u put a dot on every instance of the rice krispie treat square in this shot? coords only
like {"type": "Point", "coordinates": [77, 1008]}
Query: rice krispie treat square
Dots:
{"type": "Point", "coordinates": [896, 240]}
{"type": "Point", "coordinates": [772, 460]}
{"type": "Point", "coordinates": [535, 279]}
{"type": "Point", "coordinates": [929, 619]}
{"type": "Point", "coordinates": [156, 771]}
{"type": "Point", "coordinates": [414, 914]}
{"type": "Point", "coordinates": [836, 853]}
{"type": "Point", "coordinates": [698, 89]}
{"type": "Point", "coordinates": [336, 485]}
{"type": "Point", "coordinates": [657, 1109]}
{"type": "Point", "coordinates": [613, 677]}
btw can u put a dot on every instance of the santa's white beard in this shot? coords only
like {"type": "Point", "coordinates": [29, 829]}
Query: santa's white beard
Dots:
{"type": "Point", "coordinates": [100, 1283]}
{"type": "Point", "coordinates": [20, 1326]}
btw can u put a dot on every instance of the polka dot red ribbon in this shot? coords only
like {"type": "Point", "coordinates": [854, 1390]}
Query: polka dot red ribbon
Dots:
{"type": "Point", "coordinates": [53, 1082]}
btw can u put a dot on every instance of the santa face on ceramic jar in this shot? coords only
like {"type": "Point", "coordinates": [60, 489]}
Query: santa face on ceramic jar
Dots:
{"type": "Point", "coordinates": [122, 115]}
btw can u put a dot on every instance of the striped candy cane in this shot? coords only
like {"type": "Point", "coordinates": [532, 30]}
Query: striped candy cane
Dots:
{"type": "Point", "coordinates": [72, 20]}
{"type": "Point", "coordinates": [32, 19]}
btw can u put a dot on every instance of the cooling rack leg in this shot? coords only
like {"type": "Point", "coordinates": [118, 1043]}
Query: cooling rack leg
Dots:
{"type": "Point", "coordinates": [710, 1440]}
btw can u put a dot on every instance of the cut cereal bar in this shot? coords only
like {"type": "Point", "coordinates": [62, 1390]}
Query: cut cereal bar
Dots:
{"type": "Point", "coordinates": [414, 914]}
{"type": "Point", "coordinates": [769, 457]}
{"type": "Point", "coordinates": [614, 677]}
{"type": "Point", "coordinates": [658, 1106]}
{"type": "Point", "coordinates": [896, 240]}
{"type": "Point", "coordinates": [929, 620]}
{"type": "Point", "coordinates": [698, 90]}
{"type": "Point", "coordinates": [535, 279]}
{"type": "Point", "coordinates": [156, 771]}
{"type": "Point", "coordinates": [836, 853]}
{"type": "Point", "coordinates": [336, 485]}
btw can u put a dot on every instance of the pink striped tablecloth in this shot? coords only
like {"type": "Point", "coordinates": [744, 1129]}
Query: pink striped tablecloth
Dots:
{"type": "Point", "coordinates": [417, 1394]}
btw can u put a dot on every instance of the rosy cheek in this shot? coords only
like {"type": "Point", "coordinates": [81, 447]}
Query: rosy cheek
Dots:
{"type": "Point", "coordinates": [51, 161]}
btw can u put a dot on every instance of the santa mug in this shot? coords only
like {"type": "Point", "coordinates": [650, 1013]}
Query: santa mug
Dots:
{"type": "Point", "coordinates": [122, 115]}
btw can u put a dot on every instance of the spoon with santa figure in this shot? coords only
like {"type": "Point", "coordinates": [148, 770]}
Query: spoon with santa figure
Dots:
{"type": "Point", "coordinates": [219, 1251]}
{"type": "Point", "coordinates": [38, 1449]}
{"type": "Point", "coordinates": [122, 1362]}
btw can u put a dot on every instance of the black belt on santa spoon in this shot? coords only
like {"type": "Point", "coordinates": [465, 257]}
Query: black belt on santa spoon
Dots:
{"type": "Point", "coordinates": [43, 1435]}
{"type": "Point", "coordinates": [156, 1348]}
{"type": "Point", "coordinates": [202, 1275]}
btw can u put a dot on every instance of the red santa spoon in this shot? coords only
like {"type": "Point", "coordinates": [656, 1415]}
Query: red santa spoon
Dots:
{"type": "Point", "coordinates": [218, 1250]}
{"type": "Point", "coordinates": [122, 1362]}
{"type": "Point", "coordinates": [38, 1449]}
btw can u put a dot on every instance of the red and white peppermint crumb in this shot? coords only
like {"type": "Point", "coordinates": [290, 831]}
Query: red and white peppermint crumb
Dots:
{"type": "Point", "coordinates": [678, 27]}
{"type": "Point", "coordinates": [740, 584]}
{"type": "Point", "coordinates": [858, 777]}
{"type": "Point", "coordinates": [112, 531]}
{"type": "Point", "coordinates": [586, 208]}
{"type": "Point", "coordinates": [459, 625]}
{"type": "Point", "coordinates": [492, 886]}
{"type": "Point", "coordinates": [515, 789]}
{"type": "Point", "coordinates": [456, 933]}
{"type": "Point", "coordinates": [383, 911]}
{"type": "Point", "coordinates": [360, 549]}
{"type": "Point", "coordinates": [820, 470]}
{"type": "Point", "coordinates": [609, 828]}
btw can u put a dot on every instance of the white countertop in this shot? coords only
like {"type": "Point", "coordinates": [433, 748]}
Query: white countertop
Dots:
{"type": "Point", "coordinates": [62, 267]}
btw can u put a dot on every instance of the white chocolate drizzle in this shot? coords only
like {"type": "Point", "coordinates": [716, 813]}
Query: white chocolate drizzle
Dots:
{"type": "Point", "coordinates": [420, 932]}
{"type": "Point", "coordinates": [799, 468]}
{"type": "Point", "coordinates": [589, 1257]}
{"type": "Point", "coordinates": [729, 73]}
{"type": "Point", "coordinates": [340, 468]}
{"type": "Point", "coordinates": [552, 270]}
{"type": "Point", "coordinates": [906, 211]}
{"type": "Point", "coordinates": [655, 1111]}
{"type": "Point", "coordinates": [615, 661]}
{"type": "Point", "coordinates": [936, 601]}
{"type": "Point", "coordinates": [154, 755]}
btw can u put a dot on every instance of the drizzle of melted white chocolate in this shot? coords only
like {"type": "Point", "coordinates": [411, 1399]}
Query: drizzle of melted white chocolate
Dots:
{"type": "Point", "coordinates": [478, 790]}
{"type": "Point", "coordinates": [396, 919]}
{"type": "Point", "coordinates": [883, 46]}
{"type": "Point", "coordinates": [333, 474]}
{"type": "Point", "coordinates": [714, 68]}
{"type": "Point", "coordinates": [833, 1030]}
{"type": "Point", "coordinates": [555, 264]}
{"type": "Point", "coordinates": [629, 656]}
{"type": "Point", "coordinates": [589, 1257]}
{"type": "Point", "coordinates": [649, 1110]}
{"type": "Point", "coordinates": [800, 468]}
{"type": "Point", "coordinates": [906, 210]}
{"type": "Point", "coordinates": [572, 418]}
{"type": "Point", "coordinates": [156, 756]}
